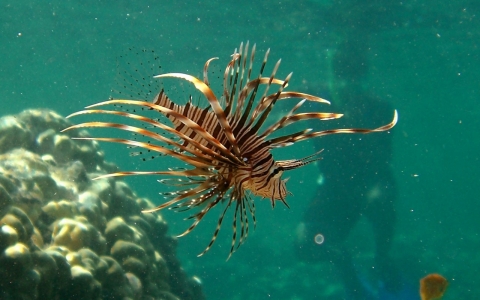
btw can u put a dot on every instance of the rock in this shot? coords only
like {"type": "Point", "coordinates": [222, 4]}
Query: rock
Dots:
{"type": "Point", "coordinates": [167, 296]}
{"type": "Point", "coordinates": [24, 219]}
{"type": "Point", "coordinates": [55, 222]}
{"type": "Point", "coordinates": [27, 287]}
{"type": "Point", "coordinates": [122, 250]}
{"type": "Point", "coordinates": [92, 262]}
{"type": "Point", "coordinates": [84, 285]}
{"type": "Point", "coordinates": [135, 284]}
{"type": "Point", "coordinates": [73, 259]}
{"type": "Point", "coordinates": [18, 279]}
{"type": "Point", "coordinates": [49, 159]}
{"type": "Point", "coordinates": [45, 140]}
{"type": "Point", "coordinates": [113, 274]}
{"type": "Point", "coordinates": [135, 266]}
{"type": "Point", "coordinates": [36, 238]}
{"type": "Point", "coordinates": [115, 283]}
{"type": "Point", "coordinates": [14, 134]}
{"type": "Point", "coordinates": [140, 223]}
{"type": "Point", "coordinates": [15, 261]}
{"type": "Point", "coordinates": [8, 237]}
{"type": "Point", "coordinates": [102, 188]}
{"type": "Point", "coordinates": [71, 234]}
{"type": "Point", "coordinates": [29, 203]}
{"type": "Point", "coordinates": [46, 184]}
{"type": "Point", "coordinates": [9, 183]}
{"type": "Point", "coordinates": [20, 222]}
{"type": "Point", "coordinates": [62, 275]}
{"type": "Point", "coordinates": [117, 229]}
{"type": "Point", "coordinates": [5, 199]}
{"type": "Point", "coordinates": [123, 201]}
{"type": "Point", "coordinates": [161, 265]}
{"type": "Point", "coordinates": [61, 209]}
{"type": "Point", "coordinates": [75, 235]}
{"type": "Point", "coordinates": [160, 226]}
{"type": "Point", "coordinates": [81, 274]}
{"type": "Point", "coordinates": [47, 269]}
{"type": "Point", "coordinates": [39, 120]}
{"type": "Point", "coordinates": [90, 206]}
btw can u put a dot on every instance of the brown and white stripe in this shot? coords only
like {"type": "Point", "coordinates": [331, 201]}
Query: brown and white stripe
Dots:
{"type": "Point", "coordinates": [230, 159]}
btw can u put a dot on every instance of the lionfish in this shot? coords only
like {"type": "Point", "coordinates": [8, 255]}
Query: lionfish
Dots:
{"type": "Point", "coordinates": [225, 145]}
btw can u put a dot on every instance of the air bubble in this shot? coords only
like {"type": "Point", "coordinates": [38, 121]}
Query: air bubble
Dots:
{"type": "Point", "coordinates": [319, 239]}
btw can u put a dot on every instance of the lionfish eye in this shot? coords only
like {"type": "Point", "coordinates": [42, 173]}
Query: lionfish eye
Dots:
{"type": "Point", "coordinates": [277, 172]}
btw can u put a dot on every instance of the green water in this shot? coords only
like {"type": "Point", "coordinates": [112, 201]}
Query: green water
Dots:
{"type": "Point", "coordinates": [423, 59]}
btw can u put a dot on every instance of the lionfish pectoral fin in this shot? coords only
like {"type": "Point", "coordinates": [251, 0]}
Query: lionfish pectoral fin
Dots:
{"type": "Point", "coordinates": [285, 203]}
{"type": "Point", "coordinates": [291, 139]}
{"type": "Point", "coordinates": [189, 229]}
{"type": "Point", "coordinates": [234, 236]}
{"type": "Point", "coordinates": [183, 195]}
{"type": "Point", "coordinates": [288, 192]}
{"type": "Point", "coordinates": [272, 201]}
{"type": "Point", "coordinates": [217, 229]}
{"type": "Point", "coordinates": [297, 163]}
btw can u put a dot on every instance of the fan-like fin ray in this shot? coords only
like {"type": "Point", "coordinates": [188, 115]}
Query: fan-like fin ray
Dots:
{"type": "Point", "coordinates": [212, 99]}
{"type": "Point", "coordinates": [157, 124]}
{"type": "Point", "coordinates": [217, 230]}
{"type": "Point", "coordinates": [205, 70]}
{"type": "Point", "coordinates": [195, 161]}
{"type": "Point", "coordinates": [156, 136]}
{"type": "Point", "coordinates": [188, 122]}
{"type": "Point", "coordinates": [290, 139]}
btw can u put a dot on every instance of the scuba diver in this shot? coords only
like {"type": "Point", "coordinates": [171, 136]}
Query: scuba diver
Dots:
{"type": "Point", "coordinates": [357, 180]}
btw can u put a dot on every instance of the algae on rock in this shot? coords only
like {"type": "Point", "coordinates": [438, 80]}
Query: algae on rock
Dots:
{"type": "Point", "coordinates": [64, 236]}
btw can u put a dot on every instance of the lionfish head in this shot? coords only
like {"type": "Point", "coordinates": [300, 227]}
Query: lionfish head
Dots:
{"type": "Point", "coordinates": [270, 185]}
{"type": "Point", "coordinates": [274, 187]}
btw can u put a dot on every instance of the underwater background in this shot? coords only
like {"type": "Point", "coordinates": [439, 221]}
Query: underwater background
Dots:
{"type": "Point", "coordinates": [423, 59]}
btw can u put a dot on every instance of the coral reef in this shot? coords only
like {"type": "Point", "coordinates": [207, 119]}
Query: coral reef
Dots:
{"type": "Point", "coordinates": [65, 236]}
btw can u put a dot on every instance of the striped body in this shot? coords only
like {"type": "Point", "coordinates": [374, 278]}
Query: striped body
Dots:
{"type": "Point", "coordinates": [257, 173]}
{"type": "Point", "coordinates": [226, 144]}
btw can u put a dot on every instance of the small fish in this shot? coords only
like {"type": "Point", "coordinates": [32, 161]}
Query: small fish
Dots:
{"type": "Point", "coordinates": [433, 286]}
{"type": "Point", "coordinates": [226, 144]}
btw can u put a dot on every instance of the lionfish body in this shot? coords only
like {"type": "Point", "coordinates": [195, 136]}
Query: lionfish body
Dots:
{"type": "Point", "coordinates": [226, 144]}
{"type": "Point", "coordinates": [252, 169]}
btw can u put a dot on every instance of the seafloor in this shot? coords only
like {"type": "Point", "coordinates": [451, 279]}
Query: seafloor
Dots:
{"type": "Point", "coordinates": [66, 236]}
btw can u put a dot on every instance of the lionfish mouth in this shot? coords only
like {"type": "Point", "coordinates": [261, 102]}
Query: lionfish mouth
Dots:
{"type": "Point", "coordinates": [226, 145]}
